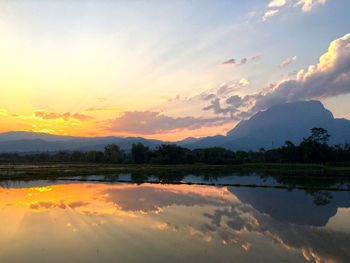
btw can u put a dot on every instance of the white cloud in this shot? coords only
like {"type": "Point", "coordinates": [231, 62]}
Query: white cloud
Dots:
{"type": "Point", "coordinates": [330, 77]}
{"type": "Point", "coordinates": [269, 14]}
{"type": "Point", "coordinates": [307, 5]}
{"type": "Point", "coordinates": [287, 61]}
{"type": "Point", "coordinates": [244, 82]}
{"type": "Point", "coordinates": [277, 3]}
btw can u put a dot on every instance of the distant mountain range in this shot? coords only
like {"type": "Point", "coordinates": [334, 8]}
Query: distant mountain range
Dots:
{"type": "Point", "coordinates": [268, 129]}
{"type": "Point", "coordinates": [33, 142]}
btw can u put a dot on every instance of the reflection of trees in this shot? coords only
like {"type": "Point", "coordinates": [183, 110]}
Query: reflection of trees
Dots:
{"type": "Point", "coordinates": [307, 180]}
{"type": "Point", "coordinates": [170, 177]}
{"type": "Point", "coordinates": [139, 178]}
{"type": "Point", "coordinates": [321, 197]}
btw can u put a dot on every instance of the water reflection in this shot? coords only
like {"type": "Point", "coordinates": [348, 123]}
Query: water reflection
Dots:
{"type": "Point", "coordinates": [173, 223]}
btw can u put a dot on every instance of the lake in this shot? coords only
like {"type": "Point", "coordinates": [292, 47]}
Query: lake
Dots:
{"type": "Point", "coordinates": [89, 219]}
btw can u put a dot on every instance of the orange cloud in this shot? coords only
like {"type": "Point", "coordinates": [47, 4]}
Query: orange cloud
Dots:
{"type": "Point", "coordinates": [47, 115]}
{"type": "Point", "coordinates": [81, 117]}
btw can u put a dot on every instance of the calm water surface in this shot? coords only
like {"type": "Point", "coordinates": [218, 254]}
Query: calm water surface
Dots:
{"type": "Point", "coordinates": [117, 222]}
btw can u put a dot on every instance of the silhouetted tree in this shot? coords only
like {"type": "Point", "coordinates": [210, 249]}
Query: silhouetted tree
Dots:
{"type": "Point", "coordinates": [113, 154]}
{"type": "Point", "coordinates": [319, 135]}
{"type": "Point", "coordinates": [139, 153]}
{"type": "Point", "coordinates": [77, 156]}
{"type": "Point", "coordinates": [315, 148]}
{"type": "Point", "coordinates": [170, 154]}
{"type": "Point", "coordinates": [62, 156]}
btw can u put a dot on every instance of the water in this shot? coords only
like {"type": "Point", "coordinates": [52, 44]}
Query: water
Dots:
{"type": "Point", "coordinates": [72, 221]}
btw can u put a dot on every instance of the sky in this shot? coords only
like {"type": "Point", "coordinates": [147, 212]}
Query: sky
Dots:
{"type": "Point", "coordinates": [167, 69]}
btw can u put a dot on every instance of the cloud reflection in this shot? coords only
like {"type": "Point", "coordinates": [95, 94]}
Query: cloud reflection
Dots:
{"type": "Point", "coordinates": [196, 214]}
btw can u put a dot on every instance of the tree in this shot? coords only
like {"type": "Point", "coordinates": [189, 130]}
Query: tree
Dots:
{"type": "Point", "coordinates": [77, 156]}
{"type": "Point", "coordinates": [62, 156]}
{"type": "Point", "coordinates": [139, 153]}
{"type": "Point", "coordinates": [171, 154]}
{"type": "Point", "coordinates": [113, 154]}
{"type": "Point", "coordinates": [315, 147]}
{"type": "Point", "coordinates": [319, 135]}
{"type": "Point", "coordinates": [289, 152]}
{"type": "Point", "coordinates": [90, 156]}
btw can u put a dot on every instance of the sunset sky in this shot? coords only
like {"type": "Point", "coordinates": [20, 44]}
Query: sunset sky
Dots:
{"type": "Point", "coordinates": [167, 69]}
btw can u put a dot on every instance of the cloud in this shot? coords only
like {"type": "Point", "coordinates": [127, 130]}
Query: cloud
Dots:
{"type": "Point", "coordinates": [148, 198]}
{"type": "Point", "coordinates": [277, 3]}
{"type": "Point", "coordinates": [226, 89]}
{"type": "Point", "coordinates": [232, 61]}
{"type": "Point", "coordinates": [274, 6]}
{"type": "Point", "coordinates": [150, 122]}
{"type": "Point", "coordinates": [76, 204]}
{"type": "Point", "coordinates": [65, 116]}
{"type": "Point", "coordinates": [161, 226]}
{"type": "Point", "coordinates": [307, 5]}
{"type": "Point", "coordinates": [269, 14]}
{"type": "Point", "coordinates": [235, 101]}
{"type": "Point", "coordinates": [243, 82]}
{"type": "Point", "coordinates": [243, 61]}
{"type": "Point", "coordinates": [104, 109]}
{"type": "Point", "coordinates": [256, 58]}
{"type": "Point", "coordinates": [287, 61]}
{"type": "Point", "coordinates": [209, 96]}
{"type": "Point", "coordinates": [215, 105]}
{"type": "Point", "coordinates": [220, 104]}
{"type": "Point", "coordinates": [330, 77]}
{"type": "Point", "coordinates": [47, 204]}
{"type": "Point", "coordinates": [47, 115]}
{"type": "Point", "coordinates": [81, 117]}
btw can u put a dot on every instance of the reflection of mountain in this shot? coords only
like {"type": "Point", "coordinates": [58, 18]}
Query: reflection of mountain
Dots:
{"type": "Point", "coordinates": [296, 207]}
{"type": "Point", "coordinates": [120, 218]}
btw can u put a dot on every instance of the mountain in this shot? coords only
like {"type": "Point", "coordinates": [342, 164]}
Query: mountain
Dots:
{"type": "Point", "coordinates": [29, 142]}
{"type": "Point", "coordinates": [22, 135]}
{"type": "Point", "coordinates": [269, 128]}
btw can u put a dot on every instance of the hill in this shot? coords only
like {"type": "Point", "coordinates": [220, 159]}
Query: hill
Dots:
{"type": "Point", "coordinates": [267, 129]}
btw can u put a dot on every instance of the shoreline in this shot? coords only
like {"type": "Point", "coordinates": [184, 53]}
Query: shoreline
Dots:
{"type": "Point", "coordinates": [52, 170]}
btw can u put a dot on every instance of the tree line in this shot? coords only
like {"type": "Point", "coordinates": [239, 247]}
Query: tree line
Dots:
{"type": "Point", "coordinates": [314, 149]}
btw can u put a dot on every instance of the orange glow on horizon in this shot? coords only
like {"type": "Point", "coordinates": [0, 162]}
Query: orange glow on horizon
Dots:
{"type": "Point", "coordinates": [93, 126]}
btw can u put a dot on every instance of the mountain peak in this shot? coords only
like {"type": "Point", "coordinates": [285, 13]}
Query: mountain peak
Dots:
{"type": "Point", "coordinates": [301, 109]}
{"type": "Point", "coordinates": [289, 121]}
{"type": "Point", "coordinates": [287, 113]}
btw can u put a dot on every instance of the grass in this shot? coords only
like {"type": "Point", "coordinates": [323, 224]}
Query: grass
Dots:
{"type": "Point", "coordinates": [300, 168]}
{"type": "Point", "coordinates": [289, 176]}
{"type": "Point", "coordinates": [55, 170]}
